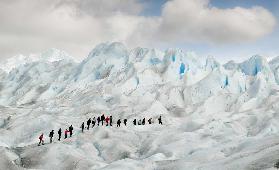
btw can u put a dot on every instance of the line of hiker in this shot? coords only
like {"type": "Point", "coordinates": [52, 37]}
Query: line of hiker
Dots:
{"type": "Point", "coordinates": [101, 120]}
{"type": "Point", "coordinates": [108, 122]}
{"type": "Point", "coordinates": [51, 135]}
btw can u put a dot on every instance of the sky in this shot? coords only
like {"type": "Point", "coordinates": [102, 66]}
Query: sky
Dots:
{"type": "Point", "coordinates": [224, 29]}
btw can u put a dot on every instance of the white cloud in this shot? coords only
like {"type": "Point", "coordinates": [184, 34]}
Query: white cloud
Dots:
{"type": "Point", "coordinates": [196, 20]}
{"type": "Point", "coordinates": [77, 26]}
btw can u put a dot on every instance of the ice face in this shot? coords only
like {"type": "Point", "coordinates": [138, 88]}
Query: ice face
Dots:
{"type": "Point", "coordinates": [214, 116]}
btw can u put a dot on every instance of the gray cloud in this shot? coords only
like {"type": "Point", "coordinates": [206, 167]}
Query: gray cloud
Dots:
{"type": "Point", "coordinates": [77, 26]}
{"type": "Point", "coordinates": [100, 8]}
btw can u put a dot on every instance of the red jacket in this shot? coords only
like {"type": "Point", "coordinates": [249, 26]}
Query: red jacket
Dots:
{"type": "Point", "coordinates": [66, 131]}
{"type": "Point", "coordinates": [107, 119]}
{"type": "Point", "coordinates": [41, 137]}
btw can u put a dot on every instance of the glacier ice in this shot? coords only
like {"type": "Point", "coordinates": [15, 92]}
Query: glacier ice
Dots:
{"type": "Point", "coordinates": [214, 116]}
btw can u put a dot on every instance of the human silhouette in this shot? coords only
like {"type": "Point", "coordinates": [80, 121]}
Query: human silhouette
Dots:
{"type": "Point", "coordinates": [98, 121]}
{"type": "Point", "coordinates": [59, 133]}
{"type": "Point", "coordinates": [82, 127]}
{"type": "Point", "coordinates": [88, 123]}
{"type": "Point", "coordinates": [66, 133]}
{"type": "Point", "coordinates": [107, 120]}
{"type": "Point", "coordinates": [93, 122]}
{"type": "Point", "coordinates": [51, 133]}
{"type": "Point", "coordinates": [110, 120]}
{"type": "Point", "coordinates": [103, 119]}
{"type": "Point", "coordinates": [139, 122]}
{"type": "Point", "coordinates": [150, 121]}
{"type": "Point", "coordinates": [143, 121]}
{"type": "Point", "coordinates": [125, 122]}
{"type": "Point", "coordinates": [160, 120]}
{"type": "Point", "coordinates": [71, 130]}
{"type": "Point", "coordinates": [118, 122]}
{"type": "Point", "coordinates": [41, 138]}
{"type": "Point", "coordinates": [135, 121]}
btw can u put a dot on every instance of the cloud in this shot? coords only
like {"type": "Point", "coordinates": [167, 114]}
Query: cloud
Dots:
{"type": "Point", "coordinates": [77, 26]}
{"type": "Point", "coordinates": [100, 8]}
{"type": "Point", "coordinates": [197, 21]}
{"type": "Point", "coordinates": [35, 25]}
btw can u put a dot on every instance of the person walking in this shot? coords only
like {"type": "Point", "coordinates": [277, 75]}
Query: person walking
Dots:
{"type": "Point", "coordinates": [59, 133]}
{"type": "Point", "coordinates": [41, 138]}
{"type": "Point", "coordinates": [139, 122]}
{"type": "Point", "coordinates": [160, 120]}
{"type": "Point", "coordinates": [110, 120]}
{"type": "Point", "coordinates": [82, 127]}
{"type": "Point", "coordinates": [66, 133]}
{"type": "Point", "coordinates": [71, 130]}
{"type": "Point", "coordinates": [98, 121]}
{"type": "Point", "coordinates": [143, 121]}
{"type": "Point", "coordinates": [125, 122]}
{"type": "Point", "coordinates": [118, 122]}
{"type": "Point", "coordinates": [107, 120]}
{"type": "Point", "coordinates": [51, 134]}
{"type": "Point", "coordinates": [103, 119]}
{"type": "Point", "coordinates": [150, 121]}
{"type": "Point", "coordinates": [88, 123]}
{"type": "Point", "coordinates": [135, 121]}
{"type": "Point", "coordinates": [93, 122]}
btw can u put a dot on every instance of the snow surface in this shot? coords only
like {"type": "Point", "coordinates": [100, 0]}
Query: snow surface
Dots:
{"type": "Point", "coordinates": [214, 116]}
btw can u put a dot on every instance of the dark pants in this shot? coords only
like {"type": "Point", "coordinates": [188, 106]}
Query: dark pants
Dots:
{"type": "Point", "coordinates": [59, 137]}
{"type": "Point", "coordinates": [41, 142]}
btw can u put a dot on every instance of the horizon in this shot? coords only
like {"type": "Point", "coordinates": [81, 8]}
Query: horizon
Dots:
{"type": "Point", "coordinates": [80, 59]}
{"type": "Point", "coordinates": [227, 30]}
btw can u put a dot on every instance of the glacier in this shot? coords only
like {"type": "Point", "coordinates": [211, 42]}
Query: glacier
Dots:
{"type": "Point", "coordinates": [215, 116]}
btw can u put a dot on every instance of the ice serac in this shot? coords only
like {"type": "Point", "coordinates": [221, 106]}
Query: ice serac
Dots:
{"type": "Point", "coordinates": [211, 63]}
{"type": "Point", "coordinates": [255, 65]}
{"type": "Point", "coordinates": [104, 60]}
{"type": "Point", "coordinates": [33, 81]}
{"type": "Point", "coordinates": [231, 65]}
{"type": "Point", "coordinates": [274, 65]}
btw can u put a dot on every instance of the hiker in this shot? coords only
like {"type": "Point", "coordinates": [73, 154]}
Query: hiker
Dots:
{"type": "Point", "coordinates": [99, 120]}
{"type": "Point", "coordinates": [118, 122]}
{"type": "Point", "coordinates": [107, 120]}
{"type": "Point", "coordinates": [160, 120]}
{"type": "Point", "coordinates": [150, 121]}
{"type": "Point", "coordinates": [125, 122]}
{"type": "Point", "coordinates": [88, 123]}
{"type": "Point", "coordinates": [143, 121]}
{"type": "Point", "coordinates": [93, 122]}
{"type": "Point", "coordinates": [139, 122]}
{"type": "Point", "coordinates": [135, 121]}
{"type": "Point", "coordinates": [41, 139]}
{"type": "Point", "coordinates": [59, 134]}
{"type": "Point", "coordinates": [110, 120]}
{"type": "Point", "coordinates": [66, 133]}
{"type": "Point", "coordinates": [71, 130]}
{"type": "Point", "coordinates": [103, 119]}
{"type": "Point", "coordinates": [51, 136]}
{"type": "Point", "coordinates": [82, 127]}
